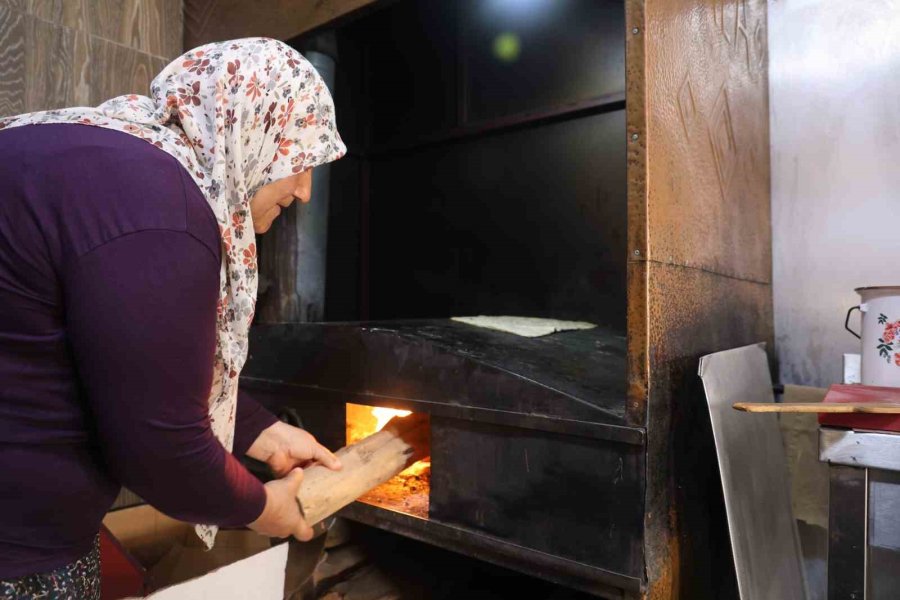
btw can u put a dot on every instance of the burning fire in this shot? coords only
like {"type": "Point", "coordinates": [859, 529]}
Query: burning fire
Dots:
{"type": "Point", "coordinates": [383, 415]}
{"type": "Point", "coordinates": [408, 492]}
{"type": "Point", "coordinates": [363, 421]}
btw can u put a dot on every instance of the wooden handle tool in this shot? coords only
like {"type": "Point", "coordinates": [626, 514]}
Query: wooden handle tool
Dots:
{"type": "Point", "coordinates": [879, 408]}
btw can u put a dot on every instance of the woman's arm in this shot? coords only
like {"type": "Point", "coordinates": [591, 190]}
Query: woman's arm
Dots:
{"type": "Point", "coordinates": [250, 421]}
{"type": "Point", "coordinates": [283, 447]}
{"type": "Point", "coordinates": [140, 314]}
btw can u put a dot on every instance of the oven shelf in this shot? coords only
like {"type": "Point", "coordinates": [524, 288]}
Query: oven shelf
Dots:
{"type": "Point", "coordinates": [571, 110]}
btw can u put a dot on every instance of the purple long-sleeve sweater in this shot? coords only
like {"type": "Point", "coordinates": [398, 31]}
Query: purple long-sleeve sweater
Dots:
{"type": "Point", "coordinates": [109, 275]}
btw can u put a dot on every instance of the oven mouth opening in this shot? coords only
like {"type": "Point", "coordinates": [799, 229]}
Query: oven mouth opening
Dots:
{"type": "Point", "coordinates": [409, 491]}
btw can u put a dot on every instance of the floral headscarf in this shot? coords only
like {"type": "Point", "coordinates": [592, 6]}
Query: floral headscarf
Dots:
{"type": "Point", "coordinates": [236, 115]}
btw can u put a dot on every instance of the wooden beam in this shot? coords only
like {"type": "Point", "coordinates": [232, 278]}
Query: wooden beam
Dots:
{"type": "Point", "coordinates": [216, 20]}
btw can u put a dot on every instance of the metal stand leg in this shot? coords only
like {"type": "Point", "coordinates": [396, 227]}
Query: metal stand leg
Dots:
{"type": "Point", "coordinates": [847, 533]}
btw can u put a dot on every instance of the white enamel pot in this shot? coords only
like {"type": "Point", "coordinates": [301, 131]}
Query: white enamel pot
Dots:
{"type": "Point", "coordinates": [880, 336]}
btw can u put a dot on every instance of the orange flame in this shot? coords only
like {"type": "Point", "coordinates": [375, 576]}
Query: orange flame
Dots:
{"type": "Point", "coordinates": [363, 421]}
{"type": "Point", "coordinates": [383, 415]}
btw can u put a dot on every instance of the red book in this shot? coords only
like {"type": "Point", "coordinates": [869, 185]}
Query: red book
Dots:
{"type": "Point", "coordinates": [842, 393]}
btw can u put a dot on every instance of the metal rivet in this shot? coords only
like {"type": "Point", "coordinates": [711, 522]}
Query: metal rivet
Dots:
{"type": "Point", "coordinates": [637, 252]}
{"type": "Point", "coordinates": [635, 31]}
{"type": "Point", "coordinates": [634, 137]}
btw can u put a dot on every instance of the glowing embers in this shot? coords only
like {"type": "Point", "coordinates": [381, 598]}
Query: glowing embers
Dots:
{"type": "Point", "coordinates": [408, 491]}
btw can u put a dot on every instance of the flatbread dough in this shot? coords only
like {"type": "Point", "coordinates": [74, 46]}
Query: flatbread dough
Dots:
{"type": "Point", "coordinates": [524, 326]}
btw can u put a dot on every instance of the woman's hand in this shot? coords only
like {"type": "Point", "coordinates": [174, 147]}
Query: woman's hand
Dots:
{"type": "Point", "coordinates": [284, 447]}
{"type": "Point", "coordinates": [281, 516]}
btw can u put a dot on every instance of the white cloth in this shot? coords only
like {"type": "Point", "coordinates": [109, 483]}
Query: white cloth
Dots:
{"type": "Point", "coordinates": [237, 115]}
{"type": "Point", "coordinates": [524, 326]}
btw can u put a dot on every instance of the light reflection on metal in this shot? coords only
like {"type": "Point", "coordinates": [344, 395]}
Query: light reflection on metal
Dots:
{"type": "Point", "coordinates": [764, 541]}
{"type": "Point", "coordinates": [517, 15]}
{"type": "Point", "coordinates": [507, 47]}
{"type": "Point", "coordinates": [859, 449]}
{"type": "Point", "coordinates": [518, 7]}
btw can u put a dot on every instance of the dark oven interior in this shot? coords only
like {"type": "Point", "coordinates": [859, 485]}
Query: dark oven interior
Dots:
{"type": "Point", "coordinates": [485, 174]}
{"type": "Point", "coordinates": [486, 163]}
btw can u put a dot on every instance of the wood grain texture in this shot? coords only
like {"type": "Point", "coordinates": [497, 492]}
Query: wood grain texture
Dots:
{"type": "Point", "coordinates": [35, 61]}
{"type": "Point", "coordinates": [138, 24]}
{"type": "Point", "coordinates": [173, 28]}
{"type": "Point", "coordinates": [116, 70]}
{"type": "Point", "coordinates": [13, 27]}
{"type": "Point", "coordinates": [115, 20]}
{"type": "Point", "coordinates": [20, 5]}
{"type": "Point", "coordinates": [68, 13]}
{"type": "Point", "coordinates": [48, 60]}
{"type": "Point", "coordinates": [81, 68]}
{"type": "Point", "coordinates": [215, 20]}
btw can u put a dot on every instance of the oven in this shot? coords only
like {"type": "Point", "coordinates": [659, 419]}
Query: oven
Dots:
{"type": "Point", "coordinates": [532, 464]}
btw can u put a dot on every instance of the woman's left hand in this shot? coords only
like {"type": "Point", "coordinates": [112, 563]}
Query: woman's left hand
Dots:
{"type": "Point", "coordinates": [284, 447]}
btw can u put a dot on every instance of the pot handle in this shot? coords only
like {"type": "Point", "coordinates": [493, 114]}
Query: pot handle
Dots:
{"type": "Point", "coordinates": [847, 321]}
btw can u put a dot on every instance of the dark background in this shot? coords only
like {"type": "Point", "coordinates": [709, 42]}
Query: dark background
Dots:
{"type": "Point", "coordinates": [474, 184]}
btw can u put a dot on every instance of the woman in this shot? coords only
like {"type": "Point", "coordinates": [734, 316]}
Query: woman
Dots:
{"type": "Point", "coordinates": [127, 287]}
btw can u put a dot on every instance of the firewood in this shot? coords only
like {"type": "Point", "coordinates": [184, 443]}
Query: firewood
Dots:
{"type": "Point", "coordinates": [366, 464]}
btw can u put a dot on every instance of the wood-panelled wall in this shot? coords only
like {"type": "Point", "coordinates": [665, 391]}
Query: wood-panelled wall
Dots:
{"type": "Point", "coordinates": [59, 53]}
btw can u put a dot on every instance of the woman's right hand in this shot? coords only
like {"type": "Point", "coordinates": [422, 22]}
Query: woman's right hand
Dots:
{"type": "Point", "coordinates": [281, 517]}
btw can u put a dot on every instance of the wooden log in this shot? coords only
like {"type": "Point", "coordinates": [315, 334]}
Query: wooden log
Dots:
{"type": "Point", "coordinates": [366, 464]}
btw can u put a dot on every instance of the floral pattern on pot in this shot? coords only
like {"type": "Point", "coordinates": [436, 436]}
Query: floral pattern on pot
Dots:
{"type": "Point", "coordinates": [237, 115]}
{"type": "Point", "coordinates": [889, 337]}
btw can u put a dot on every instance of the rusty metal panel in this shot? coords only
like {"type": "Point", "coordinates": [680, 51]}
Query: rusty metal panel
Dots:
{"type": "Point", "coordinates": [214, 20]}
{"type": "Point", "coordinates": [699, 253]}
{"type": "Point", "coordinates": [636, 247]}
{"type": "Point", "coordinates": [638, 359]}
{"type": "Point", "coordinates": [708, 136]}
{"type": "Point", "coordinates": [692, 313]}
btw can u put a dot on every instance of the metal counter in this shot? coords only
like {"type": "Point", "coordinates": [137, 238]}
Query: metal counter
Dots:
{"type": "Point", "coordinates": [864, 513]}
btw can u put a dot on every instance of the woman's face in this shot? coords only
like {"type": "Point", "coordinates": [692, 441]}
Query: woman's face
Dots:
{"type": "Point", "coordinates": [272, 198]}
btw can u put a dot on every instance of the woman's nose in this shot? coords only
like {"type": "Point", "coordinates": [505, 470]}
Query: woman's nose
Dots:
{"type": "Point", "coordinates": [303, 193]}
